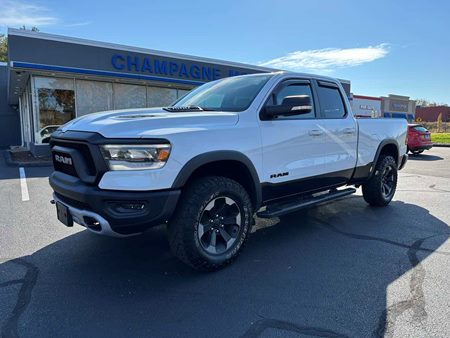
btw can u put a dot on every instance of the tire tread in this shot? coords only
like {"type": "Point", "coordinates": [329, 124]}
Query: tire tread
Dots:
{"type": "Point", "coordinates": [180, 229]}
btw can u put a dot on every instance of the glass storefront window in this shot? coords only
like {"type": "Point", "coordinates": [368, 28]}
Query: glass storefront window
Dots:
{"type": "Point", "coordinates": [55, 100]}
{"type": "Point", "coordinates": [129, 96]}
{"type": "Point", "coordinates": [160, 97]}
{"type": "Point", "coordinates": [56, 105]}
{"type": "Point", "coordinates": [93, 96]}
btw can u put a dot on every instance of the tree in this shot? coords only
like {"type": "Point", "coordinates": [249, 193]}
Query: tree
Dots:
{"type": "Point", "coordinates": [4, 43]}
{"type": "Point", "coordinates": [439, 123]}
{"type": "Point", "coordinates": [429, 103]}
{"type": "Point", "coordinates": [33, 29]}
{"type": "Point", "coordinates": [425, 103]}
{"type": "Point", "coordinates": [3, 48]}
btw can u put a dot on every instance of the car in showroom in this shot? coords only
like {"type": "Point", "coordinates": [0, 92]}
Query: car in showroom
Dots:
{"type": "Point", "coordinates": [45, 133]}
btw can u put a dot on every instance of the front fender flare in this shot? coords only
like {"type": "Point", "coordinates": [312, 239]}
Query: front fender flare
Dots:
{"type": "Point", "coordinates": [214, 156]}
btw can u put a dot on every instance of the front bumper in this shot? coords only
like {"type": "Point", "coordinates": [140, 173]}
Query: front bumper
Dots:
{"type": "Point", "coordinates": [113, 212]}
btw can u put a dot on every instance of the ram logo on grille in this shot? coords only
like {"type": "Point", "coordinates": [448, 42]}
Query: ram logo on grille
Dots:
{"type": "Point", "coordinates": [63, 159]}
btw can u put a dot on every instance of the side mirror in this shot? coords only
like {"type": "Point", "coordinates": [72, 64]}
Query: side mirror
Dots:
{"type": "Point", "coordinates": [291, 105]}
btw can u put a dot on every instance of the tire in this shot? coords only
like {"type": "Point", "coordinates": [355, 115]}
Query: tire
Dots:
{"type": "Point", "coordinates": [375, 190]}
{"type": "Point", "coordinates": [194, 225]}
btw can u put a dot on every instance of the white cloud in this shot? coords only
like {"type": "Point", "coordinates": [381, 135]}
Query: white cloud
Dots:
{"type": "Point", "coordinates": [18, 13]}
{"type": "Point", "coordinates": [328, 59]}
{"type": "Point", "coordinates": [78, 24]}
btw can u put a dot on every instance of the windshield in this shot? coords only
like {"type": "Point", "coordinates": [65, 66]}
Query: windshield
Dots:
{"type": "Point", "coordinates": [421, 129]}
{"type": "Point", "coordinates": [229, 94]}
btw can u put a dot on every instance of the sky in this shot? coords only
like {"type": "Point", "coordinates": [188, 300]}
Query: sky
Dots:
{"type": "Point", "coordinates": [383, 47]}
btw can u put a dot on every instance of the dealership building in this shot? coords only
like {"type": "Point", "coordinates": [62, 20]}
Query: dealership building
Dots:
{"type": "Point", "coordinates": [366, 106]}
{"type": "Point", "coordinates": [398, 106]}
{"type": "Point", "coordinates": [51, 79]}
{"type": "Point", "coordinates": [391, 106]}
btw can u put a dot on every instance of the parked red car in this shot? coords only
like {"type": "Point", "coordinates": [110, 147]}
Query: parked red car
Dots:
{"type": "Point", "coordinates": [419, 139]}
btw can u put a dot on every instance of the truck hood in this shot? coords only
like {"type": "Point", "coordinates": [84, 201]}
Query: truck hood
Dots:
{"type": "Point", "coordinates": [149, 122]}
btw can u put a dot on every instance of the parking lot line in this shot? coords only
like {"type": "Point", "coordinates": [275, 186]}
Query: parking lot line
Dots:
{"type": "Point", "coordinates": [23, 185]}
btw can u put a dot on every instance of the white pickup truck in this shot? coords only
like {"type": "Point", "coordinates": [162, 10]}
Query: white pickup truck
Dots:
{"type": "Point", "coordinates": [268, 144]}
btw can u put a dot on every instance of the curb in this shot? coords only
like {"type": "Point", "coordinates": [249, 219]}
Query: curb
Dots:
{"type": "Point", "coordinates": [446, 145]}
{"type": "Point", "coordinates": [12, 163]}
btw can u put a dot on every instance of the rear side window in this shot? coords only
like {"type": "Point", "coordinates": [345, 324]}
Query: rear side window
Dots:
{"type": "Point", "coordinates": [331, 103]}
{"type": "Point", "coordinates": [421, 129]}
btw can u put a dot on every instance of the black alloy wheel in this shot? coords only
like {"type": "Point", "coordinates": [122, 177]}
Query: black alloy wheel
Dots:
{"type": "Point", "coordinates": [219, 225]}
{"type": "Point", "coordinates": [387, 182]}
{"type": "Point", "coordinates": [211, 223]}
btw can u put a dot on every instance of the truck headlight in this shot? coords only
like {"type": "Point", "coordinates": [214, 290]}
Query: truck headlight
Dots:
{"type": "Point", "coordinates": [135, 156]}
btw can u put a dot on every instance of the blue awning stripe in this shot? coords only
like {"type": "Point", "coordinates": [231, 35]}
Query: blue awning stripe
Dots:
{"type": "Point", "coordinates": [17, 64]}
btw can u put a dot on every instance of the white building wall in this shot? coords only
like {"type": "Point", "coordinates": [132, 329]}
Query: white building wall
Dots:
{"type": "Point", "coordinates": [366, 107]}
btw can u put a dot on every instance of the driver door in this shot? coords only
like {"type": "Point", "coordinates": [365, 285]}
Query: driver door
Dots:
{"type": "Point", "coordinates": [293, 146]}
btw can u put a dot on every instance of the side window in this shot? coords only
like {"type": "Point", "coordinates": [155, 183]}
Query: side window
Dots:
{"type": "Point", "coordinates": [290, 90]}
{"type": "Point", "coordinates": [331, 103]}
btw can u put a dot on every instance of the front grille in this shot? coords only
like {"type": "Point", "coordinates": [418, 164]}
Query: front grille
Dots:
{"type": "Point", "coordinates": [64, 163]}
{"type": "Point", "coordinates": [82, 148]}
{"type": "Point", "coordinates": [79, 158]}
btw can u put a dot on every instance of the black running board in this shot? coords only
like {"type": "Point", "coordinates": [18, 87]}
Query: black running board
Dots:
{"type": "Point", "coordinates": [283, 208]}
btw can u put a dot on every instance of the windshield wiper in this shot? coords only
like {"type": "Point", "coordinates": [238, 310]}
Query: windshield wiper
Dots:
{"type": "Point", "coordinates": [187, 108]}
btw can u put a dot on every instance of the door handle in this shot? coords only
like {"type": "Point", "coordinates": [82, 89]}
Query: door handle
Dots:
{"type": "Point", "coordinates": [349, 130]}
{"type": "Point", "coordinates": [315, 132]}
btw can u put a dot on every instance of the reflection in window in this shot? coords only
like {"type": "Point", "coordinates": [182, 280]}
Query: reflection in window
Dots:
{"type": "Point", "coordinates": [93, 96]}
{"type": "Point", "coordinates": [160, 97]}
{"type": "Point", "coordinates": [331, 103]}
{"type": "Point", "coordinates": [129, 96]}
{"type": "Point", "coordinates": [56, 99]}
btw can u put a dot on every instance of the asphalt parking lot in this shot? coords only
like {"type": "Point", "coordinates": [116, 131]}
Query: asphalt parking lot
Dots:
{"type": "Point", "coordinates": [339, 270]}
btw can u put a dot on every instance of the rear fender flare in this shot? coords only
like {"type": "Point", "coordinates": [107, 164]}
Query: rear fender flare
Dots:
{"type": "Point", "coordinates": [380, 148]}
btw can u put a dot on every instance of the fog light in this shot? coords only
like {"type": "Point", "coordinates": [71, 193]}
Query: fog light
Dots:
{"type": "Point", "coordinates": [128, 207]}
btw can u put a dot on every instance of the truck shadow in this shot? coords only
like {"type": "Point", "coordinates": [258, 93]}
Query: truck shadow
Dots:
{"type": "Point", "coordinates": [323, 271]}
{"type": "Point", "coordinates": [424, 157]}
